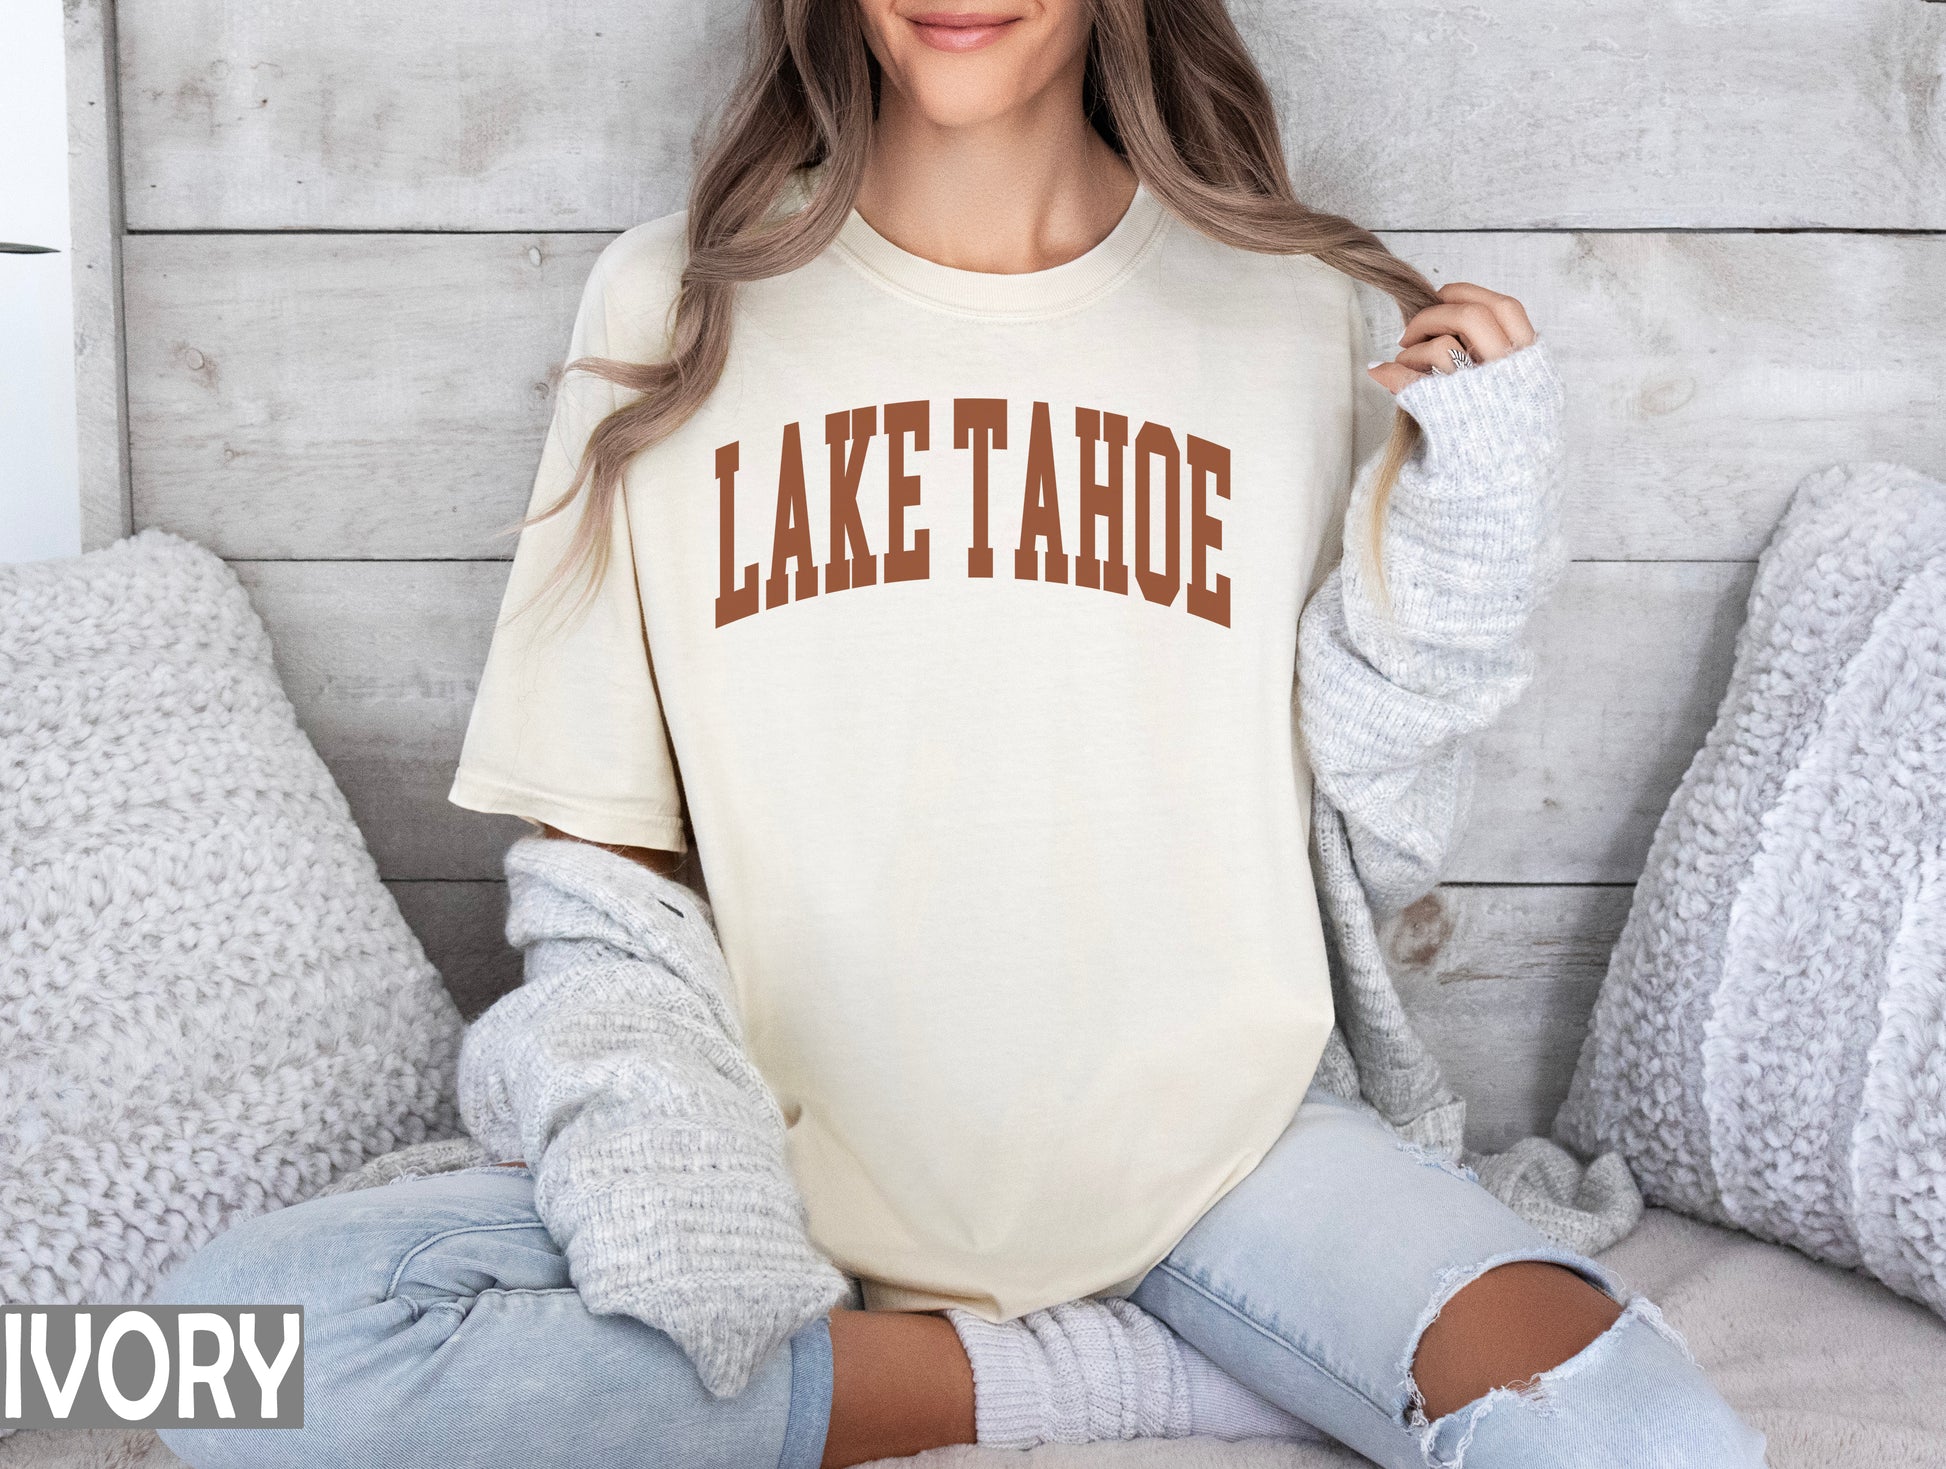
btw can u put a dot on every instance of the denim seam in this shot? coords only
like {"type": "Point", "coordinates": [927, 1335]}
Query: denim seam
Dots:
{"type": "Point", "coordinates": [1208, 1294]}
{"type": "Point", "coordinates": [464, 1304]}
{"type": "Point", "coordinates": [392, 1285]}
{"type": "Point", "coordinates": [796, 1428]}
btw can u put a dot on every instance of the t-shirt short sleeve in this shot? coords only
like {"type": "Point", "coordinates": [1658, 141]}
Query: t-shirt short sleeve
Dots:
{"type": "Point", "coordinates": [566, 727]}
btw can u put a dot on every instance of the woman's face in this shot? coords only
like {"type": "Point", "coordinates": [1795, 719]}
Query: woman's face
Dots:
{"type": "Point", "coordinates": [960, 63]}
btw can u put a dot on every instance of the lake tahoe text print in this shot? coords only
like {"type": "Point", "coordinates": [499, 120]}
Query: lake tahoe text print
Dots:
{"type": "Point", "coordinates": [1117, 501]}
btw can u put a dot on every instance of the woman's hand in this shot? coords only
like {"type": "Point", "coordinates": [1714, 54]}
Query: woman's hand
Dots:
{"type": "Point", "coordinates": [1485, 324]}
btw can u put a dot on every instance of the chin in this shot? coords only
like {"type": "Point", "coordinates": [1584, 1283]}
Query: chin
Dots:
{"type": "Point", "coordinates": [966, 74]}
{"type": "Point", "coordinates": [957, 97]}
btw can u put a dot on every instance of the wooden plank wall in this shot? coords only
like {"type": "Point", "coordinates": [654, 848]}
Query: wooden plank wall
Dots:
{"type": "Point", "coordinates": [95, 227]}
{"type": "Point", "coordinates": [356, 233]}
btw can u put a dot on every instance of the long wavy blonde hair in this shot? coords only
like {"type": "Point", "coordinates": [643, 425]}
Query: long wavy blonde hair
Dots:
{"type": "Point", "coordinates": [1170, 87]}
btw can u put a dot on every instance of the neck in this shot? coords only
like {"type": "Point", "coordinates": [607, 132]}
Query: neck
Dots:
{"type": "Point", "coordinates": [1025, 191]}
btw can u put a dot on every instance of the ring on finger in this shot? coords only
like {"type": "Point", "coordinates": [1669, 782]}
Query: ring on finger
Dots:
{"type": "Point", "coordinates": [1461, 358]}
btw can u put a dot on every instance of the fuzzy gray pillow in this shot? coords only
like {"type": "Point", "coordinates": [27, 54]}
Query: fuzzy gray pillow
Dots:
{"type": "Point", "coordinates": [1769, 1047]}
{"type": "Point", "coordinates": [209, 1004]}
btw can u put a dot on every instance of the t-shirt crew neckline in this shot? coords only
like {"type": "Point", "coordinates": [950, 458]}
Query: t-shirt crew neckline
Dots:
{"type": "Point", "coordinates": [1019, 296]}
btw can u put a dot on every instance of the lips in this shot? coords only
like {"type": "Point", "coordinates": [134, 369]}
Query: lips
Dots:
{"type": "Point", "coordinates": [960, 30]}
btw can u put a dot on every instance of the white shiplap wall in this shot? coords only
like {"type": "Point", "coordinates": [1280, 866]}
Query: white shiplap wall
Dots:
{"type": "Point", "coordinates": [356, 234]}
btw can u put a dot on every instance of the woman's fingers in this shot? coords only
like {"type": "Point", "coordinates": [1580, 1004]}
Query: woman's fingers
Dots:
{"type": "Point", "coordinates": [1473, 323]}
{"type": "Point", "coordinates": [1392, 376]}
{"type": "Point", "coordinates": [1484, 324]}
{"type": "Point", "coordinates": [1511, 315]}
{"type": "Point", "coordinates": [1489, 323]}
{"type": "Point", "coordinates": [1415, 362]}
{"type": "Point", "coordinates": [1432, 356]}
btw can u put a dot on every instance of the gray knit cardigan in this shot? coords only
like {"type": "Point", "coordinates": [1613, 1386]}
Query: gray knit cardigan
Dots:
{"type": "Point", "coordinates": [1393, 684]}
{"type": "Point", "coordinates": [618, 1071]}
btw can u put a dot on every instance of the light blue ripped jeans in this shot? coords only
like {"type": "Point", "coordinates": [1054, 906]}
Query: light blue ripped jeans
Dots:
{"type": "Point", "coordinates": [441, 1328]}
{"type": "Point", "coordinates": [1312, 1279]}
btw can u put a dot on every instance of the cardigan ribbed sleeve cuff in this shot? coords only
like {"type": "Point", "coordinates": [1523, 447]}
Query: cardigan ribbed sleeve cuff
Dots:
{"type": "Point", "coordinates": [1510, 404]}
{"type": "Point", "coordinates": [1392, 679]}
{"type": "Point", "coordinates": [1471, 539]}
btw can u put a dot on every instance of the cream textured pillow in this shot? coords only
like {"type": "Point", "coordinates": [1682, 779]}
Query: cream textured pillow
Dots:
{"type": "Point", "coordinates": [209, 1004]}
{"type": "Point", "coordinates": [1769, 1047]}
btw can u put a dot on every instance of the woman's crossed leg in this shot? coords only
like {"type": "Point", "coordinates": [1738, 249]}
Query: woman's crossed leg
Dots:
{"type": "Point", "coordinates": [441, 1328]}
{"type": "Point", "coordinates": [1375, 1289]}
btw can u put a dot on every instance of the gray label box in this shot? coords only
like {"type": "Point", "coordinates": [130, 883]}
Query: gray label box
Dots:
{"type": "Point", "coordinates": [151, 1366]}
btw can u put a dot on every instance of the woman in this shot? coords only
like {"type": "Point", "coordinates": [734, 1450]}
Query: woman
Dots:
{"type": "Point", "coordinates": [945, 487]}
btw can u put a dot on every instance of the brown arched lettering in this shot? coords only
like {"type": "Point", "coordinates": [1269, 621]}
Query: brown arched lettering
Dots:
{"type": "Point", "coordinates": [852, 563]}
{"type": "Point", "coordinates": [732, 601]}
{"type": "Point", "coordinates": [1156, 442]}
{"type": "Point", "coordinates": [903, 562]}
{"type": "Point", "coordinates": [1040, 511]}
{"type": "Point", "coordinates": [1099, 500]}
{"type": "Point", "coordinates": [790, 536]}
{"type": "Point", "coordinates": [981, 425]}
{"type": "Point", "coordinates": [1209, 464]}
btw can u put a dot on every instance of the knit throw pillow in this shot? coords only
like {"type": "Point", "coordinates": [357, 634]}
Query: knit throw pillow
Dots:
{"type": "Point", "coordinates": [1769, 1047]}
{"type": "Point", "coordinates": [209, 1004]}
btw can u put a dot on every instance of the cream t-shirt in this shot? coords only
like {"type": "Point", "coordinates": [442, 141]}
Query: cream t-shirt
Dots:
{"type": "Point", "coordinates": [961, 621]}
